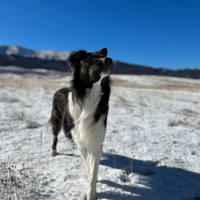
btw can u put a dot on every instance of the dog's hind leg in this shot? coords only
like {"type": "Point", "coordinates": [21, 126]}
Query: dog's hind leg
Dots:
{"type": "Point", "coordinates": [68, 124]}
{"type": "Point", "coordinates": [56, 120]}
{"type": "Point", "coordinates": [56, 123]}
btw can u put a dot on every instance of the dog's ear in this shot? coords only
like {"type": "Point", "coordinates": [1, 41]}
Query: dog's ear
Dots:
{"type": "Point", "coordinates": [103, 52]}
{"type": "Point", "coordinates": [75, 59]}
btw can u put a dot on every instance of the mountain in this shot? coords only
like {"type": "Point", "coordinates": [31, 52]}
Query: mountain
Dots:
{"type": "Point", "coordinates": [13, 50]}
{"type": "Point", "coordinates": [12, 55]}
{"type": "Point", "coordinates": [125, 68]}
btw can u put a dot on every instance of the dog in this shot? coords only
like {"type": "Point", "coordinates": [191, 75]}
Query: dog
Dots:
{"type": "Point", "coordinates": [82, 109]}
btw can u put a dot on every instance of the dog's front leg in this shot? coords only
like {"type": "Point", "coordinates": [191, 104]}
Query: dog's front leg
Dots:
{"type": "Point", "coordinates": [85, 158]}
{"type": "Point", "coordinates": [94, 158]}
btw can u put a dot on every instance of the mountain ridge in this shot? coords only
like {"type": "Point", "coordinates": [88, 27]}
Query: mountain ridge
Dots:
{"type": "Point", "coordinates": [12, 55]}
{"type": "Point", "coordinates": [8, 50]}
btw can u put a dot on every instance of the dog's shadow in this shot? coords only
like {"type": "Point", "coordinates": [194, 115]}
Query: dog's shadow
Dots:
{"type": "Point", "coordinates": [147, 181]}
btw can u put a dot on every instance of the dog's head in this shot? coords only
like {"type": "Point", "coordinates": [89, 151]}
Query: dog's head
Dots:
{"type": "Point", "coordinates": [90, 67]}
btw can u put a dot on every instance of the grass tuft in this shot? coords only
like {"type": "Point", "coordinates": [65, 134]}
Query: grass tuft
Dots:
{"type": "Point", "coordinates": [17, 184]}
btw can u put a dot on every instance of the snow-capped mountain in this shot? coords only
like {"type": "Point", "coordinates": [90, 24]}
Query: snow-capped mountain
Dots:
{"type": "Point", "coordinates": [9, 50]}
{"type": "Point", "coordinates": [12, 55]}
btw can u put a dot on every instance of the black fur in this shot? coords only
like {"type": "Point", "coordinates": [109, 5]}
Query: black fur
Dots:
{"type": "Point", "coordinates": [86, 69]}
{"type": "Point", "coordinates": [103, 104]}
{"type": "Point", "coordinates": [60, 116]}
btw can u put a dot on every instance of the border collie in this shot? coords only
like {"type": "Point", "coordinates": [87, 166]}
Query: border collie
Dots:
{"type": "Point", "coordinates": [82, 109]}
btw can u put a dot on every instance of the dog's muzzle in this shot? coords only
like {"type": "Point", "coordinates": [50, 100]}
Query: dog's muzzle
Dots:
{"type": "Point", "coordinates": [108, 65]}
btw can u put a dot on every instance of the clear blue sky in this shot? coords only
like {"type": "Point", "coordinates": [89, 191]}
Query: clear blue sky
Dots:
{"type": "Point", "coordinates": [159, 33]}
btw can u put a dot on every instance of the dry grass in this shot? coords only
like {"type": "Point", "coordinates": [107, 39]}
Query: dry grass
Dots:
{"type": "Point", "coordinates": [189, 112]}
{"type": "Point", "coordinates": [26, 82]}
{"type": "Point", "coordinates": [16, 115]}
{"type": "Point", "coordinates": [50, 83]}
{"type": "Point", "coordinates": [17, 183]}
{"type": "Point", "coordinates": [179, 122]}
{"type": "Point", "coordinates": [167, 84]}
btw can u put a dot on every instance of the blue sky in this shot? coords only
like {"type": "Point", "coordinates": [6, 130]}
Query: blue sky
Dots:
{"type": "Point", "coordinates": [158, 33]}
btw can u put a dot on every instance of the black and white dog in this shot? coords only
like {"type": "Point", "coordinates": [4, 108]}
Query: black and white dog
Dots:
{"type": "Point", "coordinates": [82, 109]}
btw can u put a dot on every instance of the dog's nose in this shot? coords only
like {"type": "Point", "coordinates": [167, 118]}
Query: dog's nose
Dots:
{"type": "Point", "coordinates": [108, 61]}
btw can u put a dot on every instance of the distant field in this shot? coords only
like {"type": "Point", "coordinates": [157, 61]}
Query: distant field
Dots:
{"type": "Point", "coordinates": [156, 82]}
{"type": "Point", "coordinates": [132, 81]}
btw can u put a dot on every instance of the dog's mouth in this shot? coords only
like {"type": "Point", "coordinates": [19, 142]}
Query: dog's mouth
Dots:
{"type": "Point", "coordinates": [106, 70]}
{"type": "Point", "coordinates": [108, 65]}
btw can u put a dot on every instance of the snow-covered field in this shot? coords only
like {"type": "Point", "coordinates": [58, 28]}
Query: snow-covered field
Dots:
{"type": "Point", "coordinates": [151, 150]}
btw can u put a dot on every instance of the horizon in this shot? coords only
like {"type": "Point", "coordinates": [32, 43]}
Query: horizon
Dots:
{"type": "Point", "coordinates": [157, 34]}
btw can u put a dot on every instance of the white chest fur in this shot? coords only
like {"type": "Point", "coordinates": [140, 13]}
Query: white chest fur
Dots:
{"type": "Point", "coordinates": [86, 132]}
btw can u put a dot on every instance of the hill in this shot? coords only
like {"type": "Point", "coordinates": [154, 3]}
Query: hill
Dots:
{"type": "Point", "coordinates": [12, 55]}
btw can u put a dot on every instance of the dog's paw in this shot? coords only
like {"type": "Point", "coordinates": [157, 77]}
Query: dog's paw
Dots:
{"type": "Point", "coordinates": [52, 153]}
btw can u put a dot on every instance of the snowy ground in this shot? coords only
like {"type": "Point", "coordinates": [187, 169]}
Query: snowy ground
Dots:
{"type": "Point", "coordinates": [151, 150]}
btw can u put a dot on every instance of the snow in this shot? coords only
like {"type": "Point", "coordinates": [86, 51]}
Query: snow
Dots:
{"type": "Point", "coordinates": [151, 149]}
{"type": "Point", "coordinates": [42, 54]}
